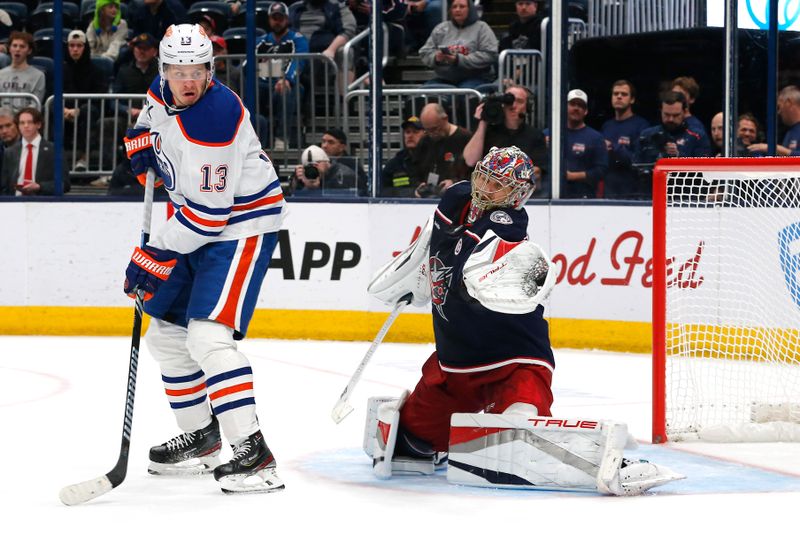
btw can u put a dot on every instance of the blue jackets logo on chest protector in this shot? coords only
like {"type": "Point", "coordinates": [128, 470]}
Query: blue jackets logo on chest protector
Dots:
{"type": "Point", "coordinates": [165, 167]}
{"type": "Point", "coordinates": [440, 283]}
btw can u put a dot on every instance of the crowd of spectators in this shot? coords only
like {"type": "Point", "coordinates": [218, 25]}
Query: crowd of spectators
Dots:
{"type": "Point", "coordinates": [115, 49]}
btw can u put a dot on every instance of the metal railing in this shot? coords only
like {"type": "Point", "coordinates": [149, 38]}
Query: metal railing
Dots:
{"type": "Point", "coordinates": [93, 138]}
{"type": "Point", "coordinates": [12, 101]}
{"type": "Point", "coordinates": [398, 104]}
{"type": "Point", "coordinates": [620, 17]}
{"type": "Point", "coordinates": [526, 68]}
{"type": "Point", "coordinates": [348, 57]}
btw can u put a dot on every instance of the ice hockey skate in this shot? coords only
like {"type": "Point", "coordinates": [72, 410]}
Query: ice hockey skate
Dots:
{"type": "Point", "coordinates": [252, 468]}
{"type": "Point", "coordinates": [188, 453]}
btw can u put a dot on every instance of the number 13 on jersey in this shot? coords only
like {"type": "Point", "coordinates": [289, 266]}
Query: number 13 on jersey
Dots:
{"type": "Point", "coordinates": [220, 178]}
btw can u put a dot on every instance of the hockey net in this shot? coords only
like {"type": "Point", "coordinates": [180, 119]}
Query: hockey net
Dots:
{"type": "Point", "coordinates": [726, 300]}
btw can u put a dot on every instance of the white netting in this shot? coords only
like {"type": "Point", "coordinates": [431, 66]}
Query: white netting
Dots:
{"type": "Point", "coordinates": [733, 306]}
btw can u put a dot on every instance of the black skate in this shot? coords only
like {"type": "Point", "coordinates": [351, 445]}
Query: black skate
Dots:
{"type": "Point", "coordinates": [188, 453]}
{"type": "Point", "coordinates": [252, 468]}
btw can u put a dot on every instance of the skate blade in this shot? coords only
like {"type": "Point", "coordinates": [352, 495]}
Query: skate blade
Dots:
{"type": "Point", "coordinates": [191, 467]}
{"type": "Point", "coordinates": [262, 481]}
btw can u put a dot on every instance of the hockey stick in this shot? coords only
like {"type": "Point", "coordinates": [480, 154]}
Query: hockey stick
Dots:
{"type": "Point", "coordinates": [92, 488]}
{"type": "Point", "coordinates": [342, 408]}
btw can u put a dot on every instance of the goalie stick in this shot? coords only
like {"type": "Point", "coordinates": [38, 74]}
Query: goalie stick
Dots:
{"type": "Point", "coordinates": [88, 490]}
{"type": "Point", "coordinates": [342, 408]}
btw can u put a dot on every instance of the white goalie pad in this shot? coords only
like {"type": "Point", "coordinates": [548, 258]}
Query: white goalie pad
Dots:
{"type": "Point", "coordinates": [538, 452]}
{"type": "Point", "coordinates": [509, 277]}
{"type": "Point", "coordinates": [407, 273]}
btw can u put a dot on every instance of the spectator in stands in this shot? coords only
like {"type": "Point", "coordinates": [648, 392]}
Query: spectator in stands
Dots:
{"type": "Point", "coordinates": [690, 89]}
{"type": "Point", "coordinates": [441, 151]}
{"type": "Point", "coordinates": [747, 130]}
{"type": "Point", "coordinates": [108, 31]}
{"type": "Point", "coordinates": [280, 90]}
{"type": "Point", "coordinates": [317, 173]}
{"type": "Point", "coordinates": [525, 30]}
{"type": "Point", "coordinates": [327, 24]}
{"type": "Point", "coordinates": [586, 162]}
{"type": "Point", "coordinates": [80, 77]}
{"type": "Point", "coordinates": [622, 141]}
{"type": "Point", "coordinates": [6, 26]}
{"type": "Point", "coordinates": [789, 113]}
{"type": "Point", "coordinates": [9, 134]}
{"type": "Point", "coordinates": [19, 76]}
{"type": "Point", "coordinates": [224, 69]}
{"type": "Point", "coordinates": [153, 17]}
{"type": "Point", "coordinates": [334, 143]}
{"type": "Point", "coordinates": [671, 138]}
{"type": "Point", "coordinates": [28, 165]}
{"type": "Point", "coordinates": [394, 14]}
{"type": "Point", "coordinates": [136, 76]}
{"type": "Point", "coordinates": [717, 135]}
{"type": "Point", "coordinates": [461, 51]}
{"type": "Point", "coordinates": [403, 173]}
{"type": "Point", "coordinates": [208, 24]}
{"type": "Point", "coordinates": [507, 129]}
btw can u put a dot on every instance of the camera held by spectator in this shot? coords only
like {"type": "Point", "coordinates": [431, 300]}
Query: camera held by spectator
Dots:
{"type": "Point", "coordinates": [493, 112]}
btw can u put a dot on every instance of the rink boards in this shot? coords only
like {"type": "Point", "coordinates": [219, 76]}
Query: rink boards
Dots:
{"type": "Point", "coordinates": [64, 267]}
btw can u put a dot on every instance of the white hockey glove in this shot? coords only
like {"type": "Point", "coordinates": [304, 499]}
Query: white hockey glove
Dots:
{"type": "Point", "coordinates": [509, 277]}
{"type": "Point", "coordinates": [406, 274]}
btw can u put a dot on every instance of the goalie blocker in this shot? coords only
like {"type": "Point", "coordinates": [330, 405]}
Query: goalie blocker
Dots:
{"type": "Point", "coordinates": [517, 451]}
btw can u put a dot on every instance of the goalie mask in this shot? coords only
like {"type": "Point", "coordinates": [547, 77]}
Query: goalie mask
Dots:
{"type": "Point", "coordinates": [503, 178]}
{"type": "Point", "coordinates": [185, 44]}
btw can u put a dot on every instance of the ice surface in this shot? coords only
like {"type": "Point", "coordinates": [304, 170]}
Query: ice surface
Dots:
{"type": "Point", "coordinates": [61, 408]}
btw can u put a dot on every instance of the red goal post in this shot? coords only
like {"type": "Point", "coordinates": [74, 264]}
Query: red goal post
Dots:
{"type": "Point", "coordinates": [726, 299]}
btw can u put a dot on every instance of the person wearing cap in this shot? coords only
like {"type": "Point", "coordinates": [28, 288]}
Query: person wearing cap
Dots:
{"type": "Point", "coordinates": [208, 24]}
{"type": "Point", "coordinates": [334, 142]}
{"type": "Point", "coordinates": [108, 30]}
{"type": "Point", "coordinates": [586, 162]}
{"type": "Point", "coordinates": [622, 140]}
{"type": "Point", "coordinates": [514, 131]}
{"type": "Point", "coordinates": [404, 172]}
{"type": "Point", "coordinates": [80, 77]}
{"type": "Point", "coordinates": [135, 76]}
{"type": "Point", "coordinates": [279, 87]}
{"type": "Point", "coordinates": [20, 76]}
{"type": "Point", "coordinates": [327, 174]}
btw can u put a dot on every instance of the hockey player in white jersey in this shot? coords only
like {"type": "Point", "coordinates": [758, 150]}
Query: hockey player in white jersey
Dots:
{"type": "Point", "coordinates": [202, 270]}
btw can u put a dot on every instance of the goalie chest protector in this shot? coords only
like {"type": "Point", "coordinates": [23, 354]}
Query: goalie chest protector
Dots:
{"type": "Point", "coordinates": [470, 337]}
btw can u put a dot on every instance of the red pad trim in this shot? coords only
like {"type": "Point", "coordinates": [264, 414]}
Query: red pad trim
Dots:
{"type": "Point", "coordinates": [503, 248]}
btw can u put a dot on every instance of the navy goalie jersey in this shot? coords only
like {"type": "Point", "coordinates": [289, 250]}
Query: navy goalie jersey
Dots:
{"type": "Point", "coordinates": [470, 337]}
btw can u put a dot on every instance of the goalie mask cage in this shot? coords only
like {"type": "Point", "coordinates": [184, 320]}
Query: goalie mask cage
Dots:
{"type": "Point", "coordinates": [726, 299]}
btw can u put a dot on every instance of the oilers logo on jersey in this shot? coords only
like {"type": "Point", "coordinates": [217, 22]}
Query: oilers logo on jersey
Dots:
{"type": "Point", "coordinates": [441, 275]}
{"type": "Point", "coordinates": [165, 167]}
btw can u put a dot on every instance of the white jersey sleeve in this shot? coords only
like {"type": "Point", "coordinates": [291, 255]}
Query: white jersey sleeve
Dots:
{"type": "Point", "coordinates": [221, 183]}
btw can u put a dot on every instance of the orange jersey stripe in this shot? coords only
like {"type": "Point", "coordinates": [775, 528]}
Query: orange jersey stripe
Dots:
{"type": "Point", "coordinates": [228, 314]}
{"type": "Point", "coordinates": [185, 392]}
{"type": "Point", "coordinates": [188, 213]}
{"type": "Point", "coordinates": [258, 203]}
{"type": "Point", "coordinates": [231, 390]}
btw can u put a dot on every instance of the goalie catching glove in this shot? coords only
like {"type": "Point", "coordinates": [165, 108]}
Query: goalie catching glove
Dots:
{"type": "Point", "coordinates": [406, 274]}
{"type": "Point", "coordinates": [140, 151]}
{"type": "Point", "coordinates": [509, 277]}
{"type": "Point", "coordinates": [148, 269]}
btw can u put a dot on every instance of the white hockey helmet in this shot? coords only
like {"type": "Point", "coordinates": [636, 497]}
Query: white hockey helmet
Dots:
{"type": "Point", "coordinates": [185, 44]}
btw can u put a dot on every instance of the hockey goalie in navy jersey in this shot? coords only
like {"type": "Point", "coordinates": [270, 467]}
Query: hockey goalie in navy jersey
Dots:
{"type": "Point", "coordinates": [202, 270]}
{"type": "Point", "coordinates": [483, 403]}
